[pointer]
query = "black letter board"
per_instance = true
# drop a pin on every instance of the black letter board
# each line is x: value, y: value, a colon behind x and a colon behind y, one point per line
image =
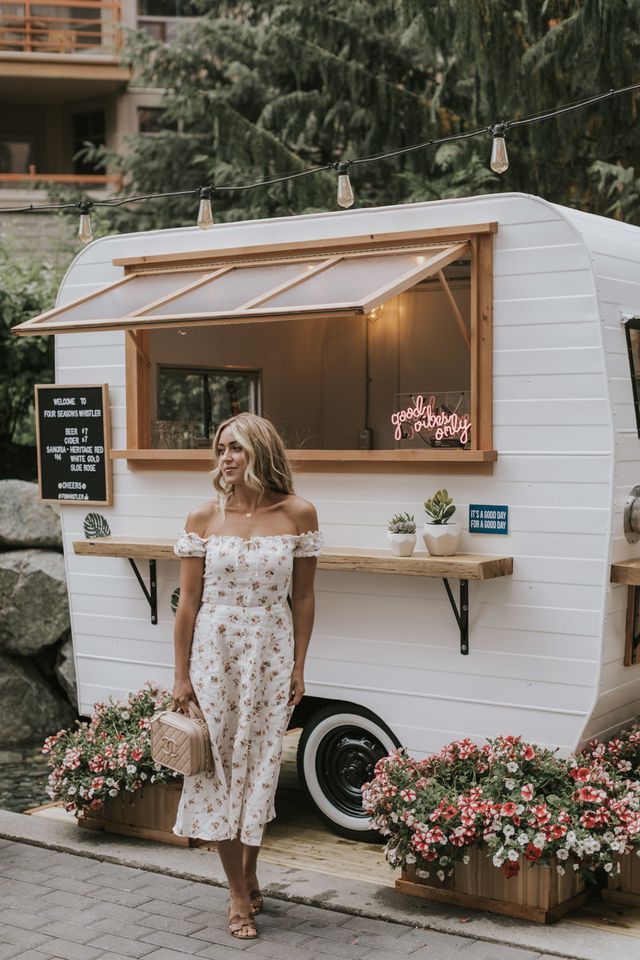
x: 72, y: 431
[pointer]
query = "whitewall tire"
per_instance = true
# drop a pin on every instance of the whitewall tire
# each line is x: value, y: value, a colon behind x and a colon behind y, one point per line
x: 337, y: 753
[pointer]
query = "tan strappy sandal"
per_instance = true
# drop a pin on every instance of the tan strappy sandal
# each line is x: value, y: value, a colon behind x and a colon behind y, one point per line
x: 257, y: 902
x: 238, y: 923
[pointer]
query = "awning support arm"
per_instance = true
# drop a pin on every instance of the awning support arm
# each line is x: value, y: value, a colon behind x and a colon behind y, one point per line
x: 461, y: 615
x: 454, y: 306
x: 152, y: 593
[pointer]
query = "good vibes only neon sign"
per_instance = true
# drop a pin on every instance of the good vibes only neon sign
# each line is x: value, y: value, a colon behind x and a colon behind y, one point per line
x: 440, y: 423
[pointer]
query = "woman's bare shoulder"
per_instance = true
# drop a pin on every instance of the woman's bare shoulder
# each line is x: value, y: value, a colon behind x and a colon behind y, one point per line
x: 202, y: 517
x: 302, y: 513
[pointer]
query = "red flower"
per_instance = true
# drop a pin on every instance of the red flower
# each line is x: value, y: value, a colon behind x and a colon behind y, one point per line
x: 583, y: 774
x: 527, y: 792
x: 532, y: 853
x: 511, y: 868
x: 136, y: 754
x: 528, y: 753
x: 509, y: 808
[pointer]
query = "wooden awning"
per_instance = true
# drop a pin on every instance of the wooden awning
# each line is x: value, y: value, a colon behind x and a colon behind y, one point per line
x: 345, y: 284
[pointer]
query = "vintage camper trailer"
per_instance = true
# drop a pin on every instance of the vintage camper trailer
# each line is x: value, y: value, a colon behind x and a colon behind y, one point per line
x: 522, y: 315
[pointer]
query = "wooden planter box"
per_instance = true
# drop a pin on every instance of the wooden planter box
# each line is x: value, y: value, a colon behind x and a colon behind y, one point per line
x: 537, y: 893
x: 150, y: 813
x: 625, y: 887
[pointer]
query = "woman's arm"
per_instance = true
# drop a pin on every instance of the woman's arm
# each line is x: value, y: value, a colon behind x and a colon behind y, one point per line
x: 191, y: 584
x: 303, y: 610
x: 302, y: 599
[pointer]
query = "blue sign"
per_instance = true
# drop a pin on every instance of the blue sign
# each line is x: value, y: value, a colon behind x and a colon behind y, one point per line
x: 488, y: 518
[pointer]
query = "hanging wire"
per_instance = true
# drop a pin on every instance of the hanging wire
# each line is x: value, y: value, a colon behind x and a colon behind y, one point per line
x: 371, y: 158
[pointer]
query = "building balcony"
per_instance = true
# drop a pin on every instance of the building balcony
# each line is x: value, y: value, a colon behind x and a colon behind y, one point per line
x: 47, y: 47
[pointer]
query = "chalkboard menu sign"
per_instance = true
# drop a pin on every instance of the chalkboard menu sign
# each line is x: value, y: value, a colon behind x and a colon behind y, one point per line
x: 72, y: 427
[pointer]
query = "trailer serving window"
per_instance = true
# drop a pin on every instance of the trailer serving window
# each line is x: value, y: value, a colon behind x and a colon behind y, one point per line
x: 371, y: 349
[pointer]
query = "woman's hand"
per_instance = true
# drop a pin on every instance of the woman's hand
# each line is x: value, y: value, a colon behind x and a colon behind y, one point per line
x: 182, y: 693
x: 296, y: 688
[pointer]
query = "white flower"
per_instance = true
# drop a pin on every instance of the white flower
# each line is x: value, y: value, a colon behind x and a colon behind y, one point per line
x: 466, y: 858
x: 423, y: 873
x: 509, y: 830
x: 576, y: 866
x: 113, y: 793
x: 510, y: 784
x: 512, y: 766
x: 562, y: 854
x: 570, y: 838
x: 157, y: 766
x: 513, y: 855
x: 410, y: 858
x: 71, y: 790
x: 539, y: 841
x: 523, y: 839
x: 560, y: 870
x: 440, y: 874
x: 131, y: 768
x: 143, y: 775
x: 608, y: 867
x: 498, y: 858
x: 125, y: 715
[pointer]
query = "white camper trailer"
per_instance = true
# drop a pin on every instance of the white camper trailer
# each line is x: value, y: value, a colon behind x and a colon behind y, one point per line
x: 522, y: 314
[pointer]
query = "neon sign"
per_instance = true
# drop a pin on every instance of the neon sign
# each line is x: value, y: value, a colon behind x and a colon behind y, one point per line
x: 439, y: 422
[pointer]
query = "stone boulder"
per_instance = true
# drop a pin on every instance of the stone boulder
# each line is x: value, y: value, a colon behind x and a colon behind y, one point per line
x: 35, y: 608
x: 65, y: 670
x: 24, y: 521
x: 31, y: 711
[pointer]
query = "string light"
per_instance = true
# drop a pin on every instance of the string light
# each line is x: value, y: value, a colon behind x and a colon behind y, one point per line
x: 85, y: 231
x: 345, y: 190
x: 205, y: 213
x: 499, y: 157
x: 499, y: 163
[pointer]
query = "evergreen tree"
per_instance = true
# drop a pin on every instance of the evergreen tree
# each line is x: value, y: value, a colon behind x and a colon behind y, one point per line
x: 262, y: 88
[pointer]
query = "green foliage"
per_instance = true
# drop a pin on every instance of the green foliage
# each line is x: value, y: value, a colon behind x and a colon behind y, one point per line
x: 27, y: 287
x: 402, y: 523
x: 440, y: 507
x: 261, y: 88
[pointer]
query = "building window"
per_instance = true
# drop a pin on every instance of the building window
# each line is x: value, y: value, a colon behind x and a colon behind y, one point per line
x: 151, y: 120
x: 89, y: 127
x: 632, y: 330
x: 192, y: 402
x: 17, y: 153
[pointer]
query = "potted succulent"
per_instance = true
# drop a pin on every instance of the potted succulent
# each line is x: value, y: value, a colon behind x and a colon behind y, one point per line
x: 401, y: 534
x: 441, y: 537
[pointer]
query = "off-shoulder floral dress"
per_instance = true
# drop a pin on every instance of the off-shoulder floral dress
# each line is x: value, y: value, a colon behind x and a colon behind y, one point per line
x: 240, y: 668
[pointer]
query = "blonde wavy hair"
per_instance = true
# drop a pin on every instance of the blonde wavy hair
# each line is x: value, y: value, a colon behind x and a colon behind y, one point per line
x: 267, y: 465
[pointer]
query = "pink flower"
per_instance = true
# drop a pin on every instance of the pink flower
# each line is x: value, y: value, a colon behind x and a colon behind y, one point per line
x: 528, y: 753
x: 136, y: 754
x: 527, y: 792
x: 407, y: 795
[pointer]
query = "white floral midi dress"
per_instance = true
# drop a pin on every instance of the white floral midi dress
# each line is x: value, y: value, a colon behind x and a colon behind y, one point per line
x: 240, y: 668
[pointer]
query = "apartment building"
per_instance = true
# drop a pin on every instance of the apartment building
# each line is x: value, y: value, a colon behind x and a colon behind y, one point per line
x: 62, y: 82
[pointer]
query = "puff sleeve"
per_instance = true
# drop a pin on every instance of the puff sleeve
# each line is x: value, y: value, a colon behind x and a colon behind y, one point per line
x: 308, y: 544
x: 189, y: 545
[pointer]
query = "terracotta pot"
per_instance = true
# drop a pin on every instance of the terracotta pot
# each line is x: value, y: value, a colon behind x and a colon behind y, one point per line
x: 442, y: 539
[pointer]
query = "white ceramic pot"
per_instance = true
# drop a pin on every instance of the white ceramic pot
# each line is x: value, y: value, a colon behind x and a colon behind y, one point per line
x: 402, y: 544
x: 441, y: 539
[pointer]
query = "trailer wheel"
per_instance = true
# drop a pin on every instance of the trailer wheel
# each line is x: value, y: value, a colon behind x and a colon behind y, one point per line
x: 337, y: 753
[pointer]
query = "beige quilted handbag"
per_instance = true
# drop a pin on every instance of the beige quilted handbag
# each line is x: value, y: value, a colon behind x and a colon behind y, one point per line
x: 181, y: 742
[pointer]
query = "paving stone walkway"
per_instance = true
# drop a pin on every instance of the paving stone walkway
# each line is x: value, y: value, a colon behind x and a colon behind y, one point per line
x: 59, y: 905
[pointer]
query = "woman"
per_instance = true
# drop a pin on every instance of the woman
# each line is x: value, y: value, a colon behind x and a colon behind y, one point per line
x: 239, y: 653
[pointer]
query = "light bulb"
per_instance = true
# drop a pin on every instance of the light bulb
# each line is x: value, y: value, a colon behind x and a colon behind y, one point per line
x: 499, y: 156
x: 205, y: 214
x: 345, y: 190
x: 85, y: 231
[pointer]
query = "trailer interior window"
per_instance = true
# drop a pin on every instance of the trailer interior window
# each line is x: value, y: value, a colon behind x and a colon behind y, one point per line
x: 632, y: 329
x: 190, y: 402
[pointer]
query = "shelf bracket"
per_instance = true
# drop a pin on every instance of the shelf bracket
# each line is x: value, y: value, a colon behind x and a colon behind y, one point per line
x: 632, y: 638
x: 152, y: 593
x: 462, y: 614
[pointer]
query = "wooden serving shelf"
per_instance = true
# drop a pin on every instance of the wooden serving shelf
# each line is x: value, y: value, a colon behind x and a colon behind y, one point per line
x: 462, y: 567
x: 626, y: 571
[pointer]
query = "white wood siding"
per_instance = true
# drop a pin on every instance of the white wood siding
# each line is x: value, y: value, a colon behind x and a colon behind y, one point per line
x: 390, y: 643
x: 615, y: 254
